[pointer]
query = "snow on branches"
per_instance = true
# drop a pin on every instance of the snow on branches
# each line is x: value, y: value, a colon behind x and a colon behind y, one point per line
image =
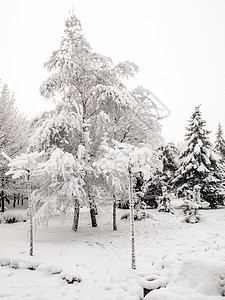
x: 24, y: 164
x: 122, y: 98
x: 56, y: 127
x: 123, y: 155
x: 126, y: 69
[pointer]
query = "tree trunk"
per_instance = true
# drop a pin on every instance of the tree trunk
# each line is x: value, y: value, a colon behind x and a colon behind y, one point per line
x: 133, y: 259
x: 76, y: 214
x: 30, y: 216
x: 114, y: 213
x: 3, y: 201
x: 93, y: 211
x: 14, y: 200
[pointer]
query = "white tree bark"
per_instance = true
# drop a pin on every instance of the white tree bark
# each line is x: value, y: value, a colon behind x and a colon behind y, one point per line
x: 30, y: 215
x: 131, y: 199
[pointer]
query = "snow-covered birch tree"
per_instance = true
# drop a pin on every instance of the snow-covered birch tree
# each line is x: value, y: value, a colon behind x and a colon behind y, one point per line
x: 25, y: 166
x: 126, y: 159
x: 91, y: 100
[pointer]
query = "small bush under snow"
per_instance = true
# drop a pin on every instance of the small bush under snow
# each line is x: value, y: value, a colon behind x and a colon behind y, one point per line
x: 13, y: 217
x: 70, y: 277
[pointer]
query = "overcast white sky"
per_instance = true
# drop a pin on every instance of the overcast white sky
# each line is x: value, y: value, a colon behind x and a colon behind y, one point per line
x: 179, y: 46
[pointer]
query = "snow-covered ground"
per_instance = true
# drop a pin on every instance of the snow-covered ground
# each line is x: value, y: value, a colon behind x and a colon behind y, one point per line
x: 190, y: 256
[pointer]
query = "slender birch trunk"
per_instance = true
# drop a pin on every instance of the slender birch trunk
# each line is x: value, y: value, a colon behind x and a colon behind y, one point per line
x: 133, y: 259
x: 114, y: 213
x: 30, y: 215
x: 76, y: 214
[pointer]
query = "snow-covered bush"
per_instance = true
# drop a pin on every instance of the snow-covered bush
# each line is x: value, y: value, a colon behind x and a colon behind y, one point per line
x: 190, y: 210
x: 13, y: 217
x: 165, y: 204
x: 141, y: 215
x: 70, y: 277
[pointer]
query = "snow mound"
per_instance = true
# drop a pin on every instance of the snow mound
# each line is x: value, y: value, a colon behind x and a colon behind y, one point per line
x: 18, y: 263
x: 153, y: 282
x: 205, y: 276
x: 199, y: 279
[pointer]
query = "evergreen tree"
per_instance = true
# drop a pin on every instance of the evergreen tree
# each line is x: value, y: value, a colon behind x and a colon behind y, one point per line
x: 168, y: 155
x: 199, y: 163
x: 14, y: 132
x: 13, y: 126
x: 220, y: 142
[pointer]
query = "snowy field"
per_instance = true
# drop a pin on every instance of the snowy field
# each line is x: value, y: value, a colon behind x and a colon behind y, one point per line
x: 190, y: 256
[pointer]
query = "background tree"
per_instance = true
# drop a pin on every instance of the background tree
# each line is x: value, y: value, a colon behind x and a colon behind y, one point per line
x: 14, y: 132
x: 13, y: 126
x: 168, y: 155
x: 220, y: 142
x: 199, y: 163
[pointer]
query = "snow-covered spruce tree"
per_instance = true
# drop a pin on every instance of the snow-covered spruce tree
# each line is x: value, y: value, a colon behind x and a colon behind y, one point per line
x: 220, y: 142
x: 165, y: 204
x: 199, y: 163
x: 93, y: 101
x: 191, y: 206
x: 14, y: 131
